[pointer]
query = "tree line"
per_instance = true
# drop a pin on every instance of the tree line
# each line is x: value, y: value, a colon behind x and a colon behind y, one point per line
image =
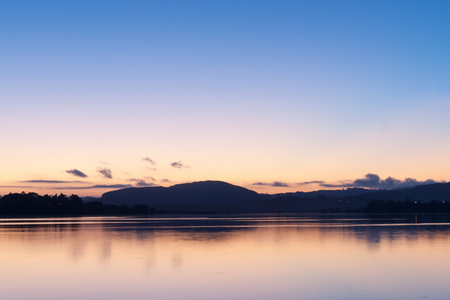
x: 390, y: 206
x: 34, y: 204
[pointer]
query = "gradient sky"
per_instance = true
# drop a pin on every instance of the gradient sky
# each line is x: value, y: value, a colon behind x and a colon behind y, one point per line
x: 268, y: 95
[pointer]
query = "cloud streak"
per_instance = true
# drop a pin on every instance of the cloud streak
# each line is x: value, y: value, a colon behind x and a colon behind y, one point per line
x: 97, y: 186
x: 273, y: 184
x: 310, y: 182
x: 50, y: 181
x: 77, y: 173
x: 89, y: 187
x: 105, y: 172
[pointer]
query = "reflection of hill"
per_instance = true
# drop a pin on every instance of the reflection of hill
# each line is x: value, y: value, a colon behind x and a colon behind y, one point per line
x: 370, y: 230
x: 301, y: 228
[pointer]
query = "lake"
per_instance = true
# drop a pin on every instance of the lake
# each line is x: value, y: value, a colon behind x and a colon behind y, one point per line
x: 319, y: 257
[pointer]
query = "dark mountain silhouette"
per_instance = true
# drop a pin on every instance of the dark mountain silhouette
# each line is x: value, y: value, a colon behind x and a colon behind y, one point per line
x: 222, y: 197
x: 357, y: 199
x: 428, y: 192
x: 217, y: 196
x: 348, y: 192
x: 205, y: 194
x: 425, y: 193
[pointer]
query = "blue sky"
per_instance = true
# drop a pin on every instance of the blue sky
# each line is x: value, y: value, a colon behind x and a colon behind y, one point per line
x: 242, y: 91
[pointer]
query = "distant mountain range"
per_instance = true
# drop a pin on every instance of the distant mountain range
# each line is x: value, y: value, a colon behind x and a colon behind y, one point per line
x: 218, y: 196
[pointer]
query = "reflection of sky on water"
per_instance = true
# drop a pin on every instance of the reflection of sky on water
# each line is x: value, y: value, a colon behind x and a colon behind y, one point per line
x: 225, y: 258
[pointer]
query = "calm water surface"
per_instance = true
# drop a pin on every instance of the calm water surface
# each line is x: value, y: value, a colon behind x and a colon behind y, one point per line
x: 257, y: 257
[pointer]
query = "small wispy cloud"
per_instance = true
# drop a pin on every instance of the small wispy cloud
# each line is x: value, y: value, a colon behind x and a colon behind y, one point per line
x: 106, y: 172
x: 273, y: 184
x: 179, y: 165
x: 142, y: 182
x: 77, y: 173
x: 149, y: 160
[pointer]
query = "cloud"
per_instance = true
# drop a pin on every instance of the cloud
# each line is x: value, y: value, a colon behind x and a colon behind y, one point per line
x: 97, y: 186
x: 311, y: 182
x: 105, y: 172
x: 374, y: 181
x: 142, y: 182
x: 139, y: 179
x: 20, y: 186
x: 371, y: 180
x: 50, y: 181
x: 77, y: 173
x: 179, y: 165
x: 149, y: 160
x: 274, y: 184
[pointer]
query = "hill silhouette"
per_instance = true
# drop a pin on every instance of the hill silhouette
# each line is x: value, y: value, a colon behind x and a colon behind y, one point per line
x: 222, y: 197
x: 204, y: 194
x: 425, y: 193
x: 218, y: 196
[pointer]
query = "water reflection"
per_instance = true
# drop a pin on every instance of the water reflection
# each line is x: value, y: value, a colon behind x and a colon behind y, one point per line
x: 256, y: 257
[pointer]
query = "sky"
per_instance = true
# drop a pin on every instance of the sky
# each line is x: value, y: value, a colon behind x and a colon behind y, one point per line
x: 276, y: 96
